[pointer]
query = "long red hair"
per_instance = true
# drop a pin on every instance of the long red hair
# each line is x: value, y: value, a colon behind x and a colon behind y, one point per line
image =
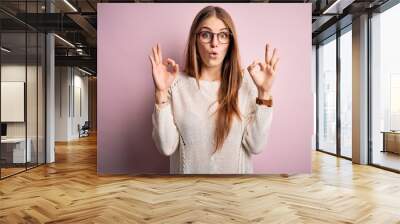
x: 231, y: 74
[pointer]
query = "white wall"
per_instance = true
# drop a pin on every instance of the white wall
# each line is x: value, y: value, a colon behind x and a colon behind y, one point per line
x: 70, y: 83
x: 33, y: 127
x: 62, y: 80
x: 80, y: 89
x: 15, y: 72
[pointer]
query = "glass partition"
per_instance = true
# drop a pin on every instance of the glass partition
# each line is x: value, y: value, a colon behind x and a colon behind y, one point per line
x: 327, y: 95
x: 22, y: 77
x: 13, y: 109
x: 385, y: 89
x: 346, y: 93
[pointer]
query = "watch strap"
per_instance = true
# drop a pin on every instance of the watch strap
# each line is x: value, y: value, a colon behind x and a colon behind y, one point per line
x: 268, y: 103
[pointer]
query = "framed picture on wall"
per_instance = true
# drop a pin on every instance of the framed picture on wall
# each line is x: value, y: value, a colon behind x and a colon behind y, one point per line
x: 12, y: 101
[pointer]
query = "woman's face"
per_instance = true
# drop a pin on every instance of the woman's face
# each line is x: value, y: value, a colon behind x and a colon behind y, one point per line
x: 213, y: 47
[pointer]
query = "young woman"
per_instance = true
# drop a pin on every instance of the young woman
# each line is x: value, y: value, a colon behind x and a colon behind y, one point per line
x: 213, y: 116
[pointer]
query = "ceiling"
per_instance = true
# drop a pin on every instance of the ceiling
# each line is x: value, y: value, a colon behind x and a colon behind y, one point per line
x: 76, y: 22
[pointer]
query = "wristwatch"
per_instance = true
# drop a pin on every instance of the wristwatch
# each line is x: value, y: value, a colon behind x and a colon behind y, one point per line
x: 268, y: 103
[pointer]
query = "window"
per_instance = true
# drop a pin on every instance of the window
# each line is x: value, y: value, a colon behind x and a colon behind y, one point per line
x: 346, y: 75
x: 327, y: 96
x: 22, y: 66
x: 385, y: 88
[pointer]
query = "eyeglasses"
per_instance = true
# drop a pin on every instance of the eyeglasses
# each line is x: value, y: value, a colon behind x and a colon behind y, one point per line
x: 207, y: 36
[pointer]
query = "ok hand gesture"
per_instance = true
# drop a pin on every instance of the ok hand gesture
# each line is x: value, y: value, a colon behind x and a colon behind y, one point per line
x: 264, y: 76
x: 161, y: 76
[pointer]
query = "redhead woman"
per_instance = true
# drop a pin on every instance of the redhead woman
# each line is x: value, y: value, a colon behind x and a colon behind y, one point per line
x: 212, y: 117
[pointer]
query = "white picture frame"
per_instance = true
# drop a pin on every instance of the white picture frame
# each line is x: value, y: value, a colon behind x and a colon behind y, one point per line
x: 12, y: 101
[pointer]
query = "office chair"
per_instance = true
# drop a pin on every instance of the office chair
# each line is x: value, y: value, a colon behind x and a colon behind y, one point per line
x: 84, y: 130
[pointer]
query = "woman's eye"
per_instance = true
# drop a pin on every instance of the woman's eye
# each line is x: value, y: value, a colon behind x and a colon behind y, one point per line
x: 205, y: 35
x: 224, y: 35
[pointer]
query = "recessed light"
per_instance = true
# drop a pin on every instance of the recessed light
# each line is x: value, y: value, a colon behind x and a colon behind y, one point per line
x: 5, y: 50
x: 333, y: 6
x: 64, y: 40
x: 70, y: 5
x: 84, y: 71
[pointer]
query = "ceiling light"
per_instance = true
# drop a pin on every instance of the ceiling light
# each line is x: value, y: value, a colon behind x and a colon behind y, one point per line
x: 70, y: 5
x: 5, y: 49
x: 331, y: 7
x: 65, y: 41
x: 84, y: 71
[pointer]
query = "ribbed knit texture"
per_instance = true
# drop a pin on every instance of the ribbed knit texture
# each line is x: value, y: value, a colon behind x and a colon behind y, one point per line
x: 184, y: 128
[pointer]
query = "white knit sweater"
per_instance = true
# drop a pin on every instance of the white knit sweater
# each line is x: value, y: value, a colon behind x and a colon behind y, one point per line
x: 183, y: 128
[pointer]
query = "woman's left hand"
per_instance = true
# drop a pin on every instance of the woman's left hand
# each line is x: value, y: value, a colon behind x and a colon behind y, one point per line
x: 265, y: 75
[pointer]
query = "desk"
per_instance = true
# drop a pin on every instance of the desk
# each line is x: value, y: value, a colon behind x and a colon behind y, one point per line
x: 391, y: 141
x: 15, y: 148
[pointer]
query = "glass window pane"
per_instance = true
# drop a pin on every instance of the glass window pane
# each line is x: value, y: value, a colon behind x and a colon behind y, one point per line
x: 13, y: 86
x: 327, y: 96
x: 22, y: 89
x: 386, y: 88
x: 346, y: 93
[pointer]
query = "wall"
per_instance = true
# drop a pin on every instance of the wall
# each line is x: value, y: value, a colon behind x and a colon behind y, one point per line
x: 69, y: 84
x: 126, y: 89
x: 33, y: 127
x: 92, y: 108
x: 62, y: 80
x: 17, y: 73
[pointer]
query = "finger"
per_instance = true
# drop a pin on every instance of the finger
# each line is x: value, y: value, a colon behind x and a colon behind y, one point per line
x: 255, y: 62
x: 273, y: 58
x: 152, y: 64
x: 155, y: 56
x: 166, y: 62
x: 249, y: 69
x: 171, y: 62
x: 176, y: 69
x: 152, y: 61
x: 159, y: 52
x: 266, y: 53
x: 275, y: 64
x: 251, y: 66
x: 262, y: 65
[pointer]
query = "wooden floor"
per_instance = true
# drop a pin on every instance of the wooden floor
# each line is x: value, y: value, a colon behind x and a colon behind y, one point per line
x: 5, y: 172
x: 70, y: 191
x: 387, y: 159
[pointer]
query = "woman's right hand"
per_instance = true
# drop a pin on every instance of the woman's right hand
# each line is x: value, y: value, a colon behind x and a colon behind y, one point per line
x: 161, y: 76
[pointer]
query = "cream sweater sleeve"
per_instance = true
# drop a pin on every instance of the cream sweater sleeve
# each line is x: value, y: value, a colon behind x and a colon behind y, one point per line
x: 257, y: 129
x: 258, y: 123
x: 165, y: 134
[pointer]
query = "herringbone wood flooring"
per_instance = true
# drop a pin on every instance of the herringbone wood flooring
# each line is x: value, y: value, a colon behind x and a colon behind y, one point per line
x: 69, y: 191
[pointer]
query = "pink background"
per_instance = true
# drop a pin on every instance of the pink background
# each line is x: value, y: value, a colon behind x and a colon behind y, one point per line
x: 126, y: 33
